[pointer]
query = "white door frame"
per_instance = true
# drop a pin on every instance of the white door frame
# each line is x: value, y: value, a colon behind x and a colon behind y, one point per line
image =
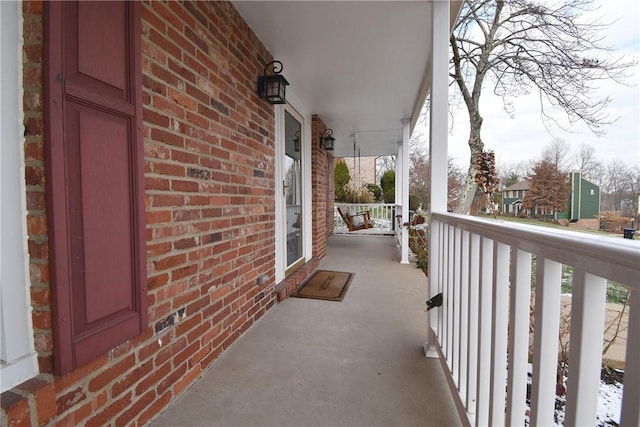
x: 294, y: 108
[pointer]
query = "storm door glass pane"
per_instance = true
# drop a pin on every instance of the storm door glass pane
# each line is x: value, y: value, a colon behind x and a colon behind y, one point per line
x: 293, y: 188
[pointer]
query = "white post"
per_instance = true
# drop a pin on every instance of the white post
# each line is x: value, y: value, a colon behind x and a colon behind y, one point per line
x: 520, y: 297
x: 17, y: 353
x: 545, y: 341
x: 588, y: 305
x: 438, y: 129
x: 631, y: 398
x: 398, y: 200
x: 404, y: 179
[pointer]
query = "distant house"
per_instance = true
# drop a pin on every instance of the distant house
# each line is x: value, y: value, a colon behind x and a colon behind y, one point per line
x: 583, y: 205
x: 512, y: 197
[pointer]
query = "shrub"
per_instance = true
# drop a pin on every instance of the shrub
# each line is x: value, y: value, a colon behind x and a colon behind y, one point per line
x: 388, y: 185
x: 420, y: 248
x: 414, y: 202
x: 357, y: 195
x: 341, y: 178
x: 376, y: 191
x: 389, y: 196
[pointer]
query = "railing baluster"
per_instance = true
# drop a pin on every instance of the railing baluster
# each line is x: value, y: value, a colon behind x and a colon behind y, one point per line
x: 442, y: 282
x: 631, y: 399
x: 474, y: 325
x: 433, y: 328
x: 499, y: 316
x: 464, y: 314
x: 520, y: 296
x: 455, y: 301
x: 545, y: 341
x: 585, y: 347
x: 450, y: 295
x: 484, y: 335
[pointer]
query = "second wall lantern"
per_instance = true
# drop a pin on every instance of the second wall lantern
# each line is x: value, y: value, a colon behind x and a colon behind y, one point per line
x: 273, y: 87
x: 326, y: 140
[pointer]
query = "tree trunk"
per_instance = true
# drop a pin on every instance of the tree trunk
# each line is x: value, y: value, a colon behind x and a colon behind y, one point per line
x: 476, y: 146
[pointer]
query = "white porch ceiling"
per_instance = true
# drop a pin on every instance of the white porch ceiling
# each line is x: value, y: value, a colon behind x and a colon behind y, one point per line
x: 362, y: 66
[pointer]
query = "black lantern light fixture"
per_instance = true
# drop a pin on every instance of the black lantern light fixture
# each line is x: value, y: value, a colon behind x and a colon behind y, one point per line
x: 296, y: 142
x: 326, y: 140
x: 272, y: 87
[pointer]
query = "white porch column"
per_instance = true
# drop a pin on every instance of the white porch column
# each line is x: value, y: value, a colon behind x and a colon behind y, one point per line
x: 19, y: 360
x: 398, y: 200
x: 404, y: 180
x: 437, y: 141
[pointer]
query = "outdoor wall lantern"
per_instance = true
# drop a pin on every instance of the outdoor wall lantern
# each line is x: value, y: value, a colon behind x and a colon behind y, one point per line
x: 326, y: 140
x: 272, y: 87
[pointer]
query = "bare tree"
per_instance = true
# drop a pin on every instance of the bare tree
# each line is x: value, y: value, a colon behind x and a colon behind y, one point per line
x: 383, y: 164
x: 420, y: 179
x: 420, y: 176
x: 615, y: 185
x: 510, y: 173
x: 634, y: 194
x: 524, y: 45
x: 588, y: 165
x: 557, y: 153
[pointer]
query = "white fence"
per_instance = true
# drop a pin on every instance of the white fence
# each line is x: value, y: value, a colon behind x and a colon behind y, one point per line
x: 481, y: 332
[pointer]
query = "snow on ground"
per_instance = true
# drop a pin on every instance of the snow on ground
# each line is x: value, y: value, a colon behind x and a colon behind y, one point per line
x: 609, y: 404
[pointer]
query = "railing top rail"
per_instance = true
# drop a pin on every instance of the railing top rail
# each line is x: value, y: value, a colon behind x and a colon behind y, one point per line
x: 611, y: 258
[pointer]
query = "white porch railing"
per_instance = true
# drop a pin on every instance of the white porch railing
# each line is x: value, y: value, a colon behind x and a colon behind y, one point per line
x: 481, y: 332
x: 381, y: 214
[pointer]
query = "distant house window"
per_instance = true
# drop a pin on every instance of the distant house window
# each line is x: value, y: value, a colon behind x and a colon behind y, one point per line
x: 593, y: 192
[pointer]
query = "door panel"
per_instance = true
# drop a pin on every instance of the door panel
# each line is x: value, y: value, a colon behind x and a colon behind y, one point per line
x: 106, y: 225
x: 105, y: 36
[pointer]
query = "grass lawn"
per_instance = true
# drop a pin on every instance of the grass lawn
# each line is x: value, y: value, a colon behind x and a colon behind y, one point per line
x: 572, y: 227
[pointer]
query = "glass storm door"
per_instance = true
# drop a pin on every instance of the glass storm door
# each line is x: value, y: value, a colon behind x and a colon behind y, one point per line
x: 292, y: 189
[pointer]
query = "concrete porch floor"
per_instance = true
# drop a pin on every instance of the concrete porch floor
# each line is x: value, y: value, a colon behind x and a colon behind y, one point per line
x: 359, y: 362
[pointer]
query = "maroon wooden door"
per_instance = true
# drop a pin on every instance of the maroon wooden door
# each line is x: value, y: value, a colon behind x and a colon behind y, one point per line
x: 95, y: 177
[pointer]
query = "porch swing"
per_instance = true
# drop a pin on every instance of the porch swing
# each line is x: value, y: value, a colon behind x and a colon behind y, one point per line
x: 356, y: 220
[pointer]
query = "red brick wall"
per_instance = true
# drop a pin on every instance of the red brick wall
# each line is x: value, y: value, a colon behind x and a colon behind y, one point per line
x: 319, y: 180
x: 209, y: 178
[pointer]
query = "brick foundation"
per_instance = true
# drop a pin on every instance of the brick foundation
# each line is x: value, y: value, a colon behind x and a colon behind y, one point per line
x: 286, y: 287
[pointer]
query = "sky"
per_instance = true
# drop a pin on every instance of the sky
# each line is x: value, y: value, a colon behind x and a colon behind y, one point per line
x: 524, y: 136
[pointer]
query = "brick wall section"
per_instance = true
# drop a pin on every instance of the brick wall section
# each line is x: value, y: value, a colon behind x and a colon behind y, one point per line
x: 287, y: 286
x: 209, y: 156
x: 319, y: 180
x: 362, y: 170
